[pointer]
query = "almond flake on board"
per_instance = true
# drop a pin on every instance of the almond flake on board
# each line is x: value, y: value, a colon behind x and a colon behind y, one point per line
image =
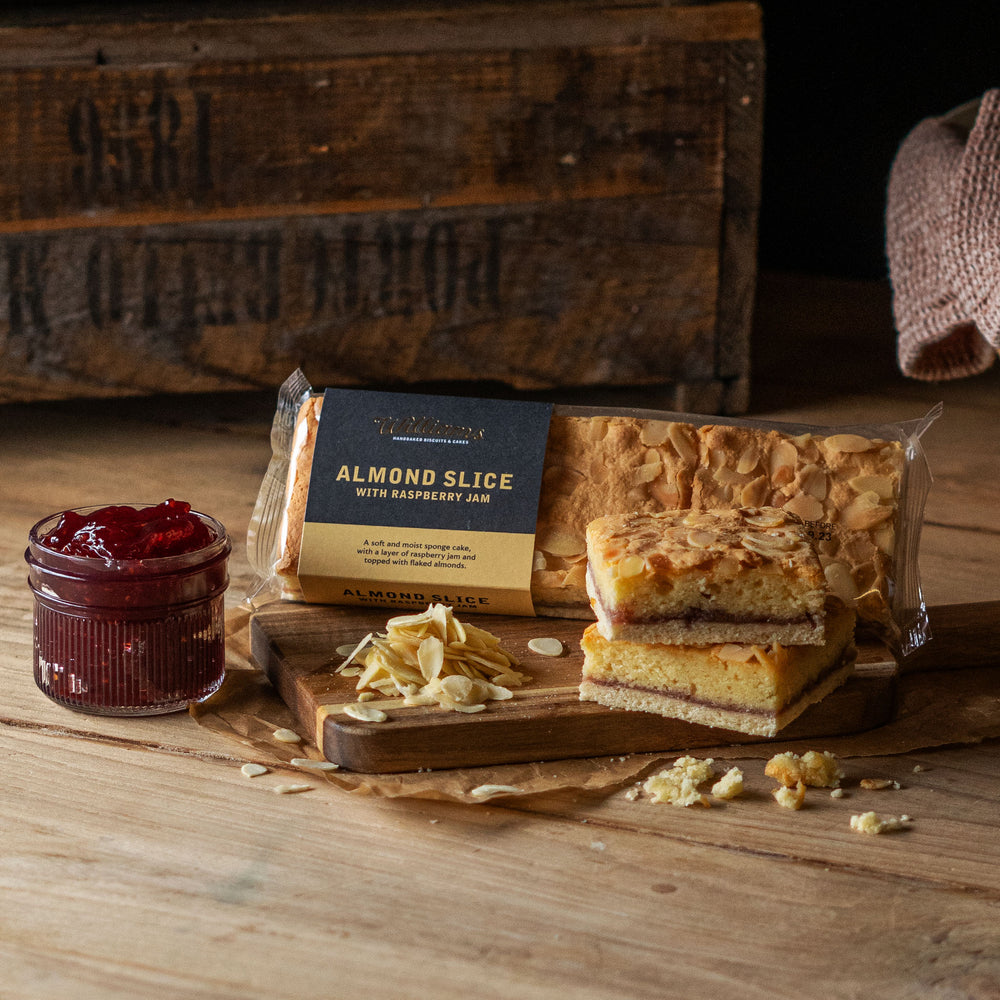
x: 546, y: 646
x: 432, y: 657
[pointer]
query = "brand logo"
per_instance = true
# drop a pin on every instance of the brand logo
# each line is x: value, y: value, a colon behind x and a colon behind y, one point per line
x: 428, y: 429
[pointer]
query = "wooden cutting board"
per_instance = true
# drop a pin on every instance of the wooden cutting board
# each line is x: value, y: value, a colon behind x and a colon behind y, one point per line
x: 296, y: 646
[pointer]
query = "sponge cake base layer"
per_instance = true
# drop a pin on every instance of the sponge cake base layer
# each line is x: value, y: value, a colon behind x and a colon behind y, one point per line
x: 750, y: 689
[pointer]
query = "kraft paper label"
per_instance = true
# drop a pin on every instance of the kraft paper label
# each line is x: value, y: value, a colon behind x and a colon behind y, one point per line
x: 418, y: 499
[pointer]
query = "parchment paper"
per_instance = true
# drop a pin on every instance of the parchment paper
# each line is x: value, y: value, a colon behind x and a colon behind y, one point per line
x: 936, y: 708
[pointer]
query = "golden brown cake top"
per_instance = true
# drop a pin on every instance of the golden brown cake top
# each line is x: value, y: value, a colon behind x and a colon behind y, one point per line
x: 670, y: 543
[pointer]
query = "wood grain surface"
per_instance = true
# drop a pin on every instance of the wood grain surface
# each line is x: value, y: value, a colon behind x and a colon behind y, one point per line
x: 138, y: 863
x: 560, y: 195
x: 545, y: 720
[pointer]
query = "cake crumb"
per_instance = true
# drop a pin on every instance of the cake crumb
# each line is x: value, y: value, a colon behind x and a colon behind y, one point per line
x: 872, y: 823
x: 678, y: 785
x: 729, y: 785
x: 819, y: 770
x: 837, y: 793
x: 790, y: 797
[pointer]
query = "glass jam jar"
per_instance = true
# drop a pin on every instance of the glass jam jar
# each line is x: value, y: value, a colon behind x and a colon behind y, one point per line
x: 122, y: 633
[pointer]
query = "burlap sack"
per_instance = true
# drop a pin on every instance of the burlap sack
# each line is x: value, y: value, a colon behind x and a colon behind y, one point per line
x: 943, y: 242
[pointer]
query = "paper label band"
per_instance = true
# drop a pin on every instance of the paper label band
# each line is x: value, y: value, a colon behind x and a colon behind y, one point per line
x: 416, y: 499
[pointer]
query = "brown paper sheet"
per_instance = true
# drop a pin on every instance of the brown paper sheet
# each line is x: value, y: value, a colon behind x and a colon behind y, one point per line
x: 937, y: 708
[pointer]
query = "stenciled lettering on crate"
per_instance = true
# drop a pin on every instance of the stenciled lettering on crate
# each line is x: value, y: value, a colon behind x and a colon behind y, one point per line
x: 544, y: 217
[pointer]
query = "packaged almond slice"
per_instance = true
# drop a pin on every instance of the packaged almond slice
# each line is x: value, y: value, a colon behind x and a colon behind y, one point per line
x: 400, y: 500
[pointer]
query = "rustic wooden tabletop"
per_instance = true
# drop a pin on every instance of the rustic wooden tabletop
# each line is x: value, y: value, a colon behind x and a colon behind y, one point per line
x: 136, y: 860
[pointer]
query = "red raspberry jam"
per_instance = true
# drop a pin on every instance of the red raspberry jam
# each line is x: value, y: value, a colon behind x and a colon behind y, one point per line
x: 129, y: 607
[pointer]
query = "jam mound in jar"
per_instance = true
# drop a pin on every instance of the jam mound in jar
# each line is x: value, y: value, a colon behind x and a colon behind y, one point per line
x: 122, y: 532
x: 129, y: 607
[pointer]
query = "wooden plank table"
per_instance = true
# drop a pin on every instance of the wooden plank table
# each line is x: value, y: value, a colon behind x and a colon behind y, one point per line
x: 137, y: 861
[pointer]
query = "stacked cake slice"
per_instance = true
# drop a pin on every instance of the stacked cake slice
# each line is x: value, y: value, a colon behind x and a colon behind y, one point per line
x: 722, y: 618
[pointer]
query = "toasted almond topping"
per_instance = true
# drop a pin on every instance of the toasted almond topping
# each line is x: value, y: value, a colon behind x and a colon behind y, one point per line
x: 631, y: 566
x: 648, y: 472
x: 806, y: 507
x: 682, y: 437
x: 700, y: 538
x: 654, y: 432
x: 755, y: 492
x: 814, y: 482
x: 748, y: 460
x: 764, y: 517
x: 848, y: 443
x: 865, y: 512
x: 840, y: 581
x: 563, y: 543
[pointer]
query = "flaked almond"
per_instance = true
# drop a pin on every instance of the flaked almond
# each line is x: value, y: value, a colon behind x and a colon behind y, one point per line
x: 763, y: 517
x: 653, y: 433
x: 576, y: 576
x: 365, y: 713
x: 850, y: 443
x: 648, y: 472
x: 430, y: 656
x: 726, y: 476
x: 748, y: 460
x: 700, y: 538
x: 806, y: 507
x: 814, y: 482
x: 770, y: 543
x: 755, y: 492
x: 630, y: 566
x: 884, y: 538
x: 840, y: 581
x: 563, y: 543
x: 666, y: 494
x: 682, y: 437
x: 865, y: 512
x: 876, y: 784
x: 546, y: 646
x: 781, y: 463
x: 880, y: 485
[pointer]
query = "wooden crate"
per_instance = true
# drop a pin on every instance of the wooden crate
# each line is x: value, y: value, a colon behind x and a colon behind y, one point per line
x: 543, y: 195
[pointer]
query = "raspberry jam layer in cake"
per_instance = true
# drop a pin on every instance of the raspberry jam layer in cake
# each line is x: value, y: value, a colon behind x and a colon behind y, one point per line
x: 749, y: 688
x: 698, y: 577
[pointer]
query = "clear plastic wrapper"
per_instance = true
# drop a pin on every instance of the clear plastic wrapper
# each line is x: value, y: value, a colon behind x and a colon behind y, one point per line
x: 859, y: 489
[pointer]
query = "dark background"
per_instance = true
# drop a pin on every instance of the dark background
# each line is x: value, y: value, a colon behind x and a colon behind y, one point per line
x: 846, y: 81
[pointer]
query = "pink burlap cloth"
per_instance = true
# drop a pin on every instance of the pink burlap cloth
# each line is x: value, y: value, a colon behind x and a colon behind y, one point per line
x: 943, y: 242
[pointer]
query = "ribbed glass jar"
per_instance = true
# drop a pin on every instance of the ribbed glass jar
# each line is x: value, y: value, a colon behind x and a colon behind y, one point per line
x: 128, y: 636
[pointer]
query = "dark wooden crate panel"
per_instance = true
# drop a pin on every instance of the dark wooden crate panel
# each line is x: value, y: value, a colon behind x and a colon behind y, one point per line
x: 561, y: 196
x: 295, y: 645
